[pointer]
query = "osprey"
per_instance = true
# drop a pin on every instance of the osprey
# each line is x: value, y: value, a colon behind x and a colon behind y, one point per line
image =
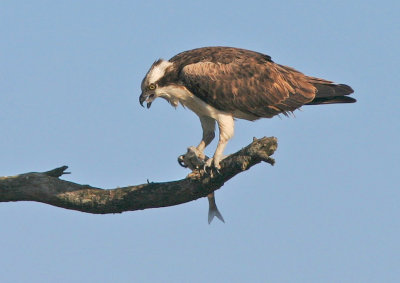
x: 223, y: 83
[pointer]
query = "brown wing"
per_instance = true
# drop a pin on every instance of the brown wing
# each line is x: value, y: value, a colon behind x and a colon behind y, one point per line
x: 252, y: 86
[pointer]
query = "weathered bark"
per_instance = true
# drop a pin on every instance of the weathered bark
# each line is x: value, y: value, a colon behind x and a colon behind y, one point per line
x: 46, y: 187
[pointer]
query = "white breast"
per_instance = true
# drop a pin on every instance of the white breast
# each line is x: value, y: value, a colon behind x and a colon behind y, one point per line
x: 175, y: 95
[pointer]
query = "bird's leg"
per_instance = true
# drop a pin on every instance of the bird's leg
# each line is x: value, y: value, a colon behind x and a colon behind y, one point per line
x: 208, y: 125
x: 226, y: 130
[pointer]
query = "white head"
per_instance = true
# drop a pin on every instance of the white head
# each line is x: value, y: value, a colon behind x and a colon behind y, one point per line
x: 150, y: 82
x: 157, y: 71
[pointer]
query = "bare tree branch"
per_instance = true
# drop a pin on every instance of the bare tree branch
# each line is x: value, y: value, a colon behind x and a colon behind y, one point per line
x: 46, y: 187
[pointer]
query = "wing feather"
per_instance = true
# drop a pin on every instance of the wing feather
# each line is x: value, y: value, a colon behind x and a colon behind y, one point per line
x: 252, y: 86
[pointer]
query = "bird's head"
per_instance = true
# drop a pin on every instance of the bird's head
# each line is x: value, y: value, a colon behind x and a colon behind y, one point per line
x: 152, y: 84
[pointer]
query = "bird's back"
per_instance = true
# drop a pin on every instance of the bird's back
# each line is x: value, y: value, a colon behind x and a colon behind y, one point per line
x: 249, y: 84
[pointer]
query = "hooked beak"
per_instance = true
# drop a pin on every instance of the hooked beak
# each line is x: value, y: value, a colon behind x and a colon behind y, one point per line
x: 146, y: 97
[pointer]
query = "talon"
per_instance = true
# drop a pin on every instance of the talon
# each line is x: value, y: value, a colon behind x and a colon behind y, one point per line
x: 181, y: 161
x: 216, y: 170
x: 210, y: 167
x: 207, y: 169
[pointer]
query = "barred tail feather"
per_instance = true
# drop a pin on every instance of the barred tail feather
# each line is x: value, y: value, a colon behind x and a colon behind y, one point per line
x: 213, y: 209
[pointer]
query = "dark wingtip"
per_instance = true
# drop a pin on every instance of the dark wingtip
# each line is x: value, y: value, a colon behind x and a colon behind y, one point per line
x: 346, y: 89
x: 332, y: 100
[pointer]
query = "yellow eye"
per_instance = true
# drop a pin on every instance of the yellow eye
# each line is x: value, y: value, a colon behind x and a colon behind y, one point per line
x: 152, y: 86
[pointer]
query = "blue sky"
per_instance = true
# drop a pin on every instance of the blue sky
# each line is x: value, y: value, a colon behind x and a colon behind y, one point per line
x: 326, y: 212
